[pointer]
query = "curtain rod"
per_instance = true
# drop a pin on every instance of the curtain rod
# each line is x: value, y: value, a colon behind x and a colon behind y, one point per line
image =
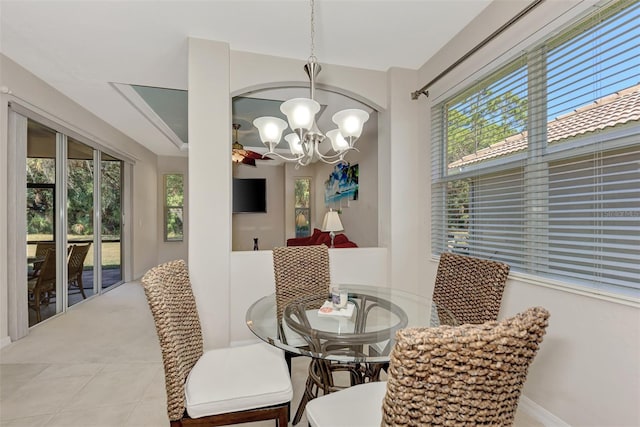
x: 496, y: 33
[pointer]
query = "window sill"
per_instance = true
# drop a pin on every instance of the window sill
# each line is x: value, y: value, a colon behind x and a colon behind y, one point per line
x: 605, y: 295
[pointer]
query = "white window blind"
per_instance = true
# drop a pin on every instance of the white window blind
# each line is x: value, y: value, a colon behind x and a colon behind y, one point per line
x: 538, y: 164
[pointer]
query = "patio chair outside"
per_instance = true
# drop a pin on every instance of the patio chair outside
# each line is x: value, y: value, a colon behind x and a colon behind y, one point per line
x: 77, y: 255
x: 44, y: 284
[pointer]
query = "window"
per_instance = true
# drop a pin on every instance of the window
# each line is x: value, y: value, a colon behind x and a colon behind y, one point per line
x: 173, y: 208
x: 537, y: 164
x: 302, y: 193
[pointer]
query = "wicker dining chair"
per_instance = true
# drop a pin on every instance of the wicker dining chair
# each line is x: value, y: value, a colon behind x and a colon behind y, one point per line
x: 468, y: 375
x: 470, y: 288
x: 303, y: 271
x: 299, y: 271
x: 75, y: 266
x: 215, y: 387
x: 41, y: 287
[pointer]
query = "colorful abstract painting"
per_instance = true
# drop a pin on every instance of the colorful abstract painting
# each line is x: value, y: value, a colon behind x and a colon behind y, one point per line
x: 342, y: 184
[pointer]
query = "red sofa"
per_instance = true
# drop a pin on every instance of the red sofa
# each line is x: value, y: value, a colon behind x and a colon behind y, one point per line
x: 322, y: 238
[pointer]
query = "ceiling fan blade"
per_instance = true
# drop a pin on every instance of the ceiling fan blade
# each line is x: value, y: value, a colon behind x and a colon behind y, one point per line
x: 249, y: 161
x: 246, y: 157
x: 254, y: 155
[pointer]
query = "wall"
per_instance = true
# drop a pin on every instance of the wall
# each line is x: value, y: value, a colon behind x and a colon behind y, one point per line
x: 31, y: 92
x: 588, y: 369
x: 168, y: 251
x: 4, y: 323
x: 267, y: 227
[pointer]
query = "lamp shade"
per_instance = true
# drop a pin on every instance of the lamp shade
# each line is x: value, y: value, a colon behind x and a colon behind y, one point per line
x: 332, y: 222
x: 350, y: 122
x: 270, y: 129
x: 295, y: 145
x: 338, y: 143
x: 300, y: 112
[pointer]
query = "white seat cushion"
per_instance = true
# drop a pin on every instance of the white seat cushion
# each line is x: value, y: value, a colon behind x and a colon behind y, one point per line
x: 357, y: 406
x: 237, y: 378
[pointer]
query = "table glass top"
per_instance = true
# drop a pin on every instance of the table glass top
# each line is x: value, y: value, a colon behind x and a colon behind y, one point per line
x: 363, y: 332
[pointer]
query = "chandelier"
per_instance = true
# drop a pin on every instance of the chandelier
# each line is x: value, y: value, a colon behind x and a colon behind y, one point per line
x: 305, y: 139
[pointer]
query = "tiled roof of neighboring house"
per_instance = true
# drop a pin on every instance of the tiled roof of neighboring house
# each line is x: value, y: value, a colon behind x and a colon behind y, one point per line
x: 615, y: 109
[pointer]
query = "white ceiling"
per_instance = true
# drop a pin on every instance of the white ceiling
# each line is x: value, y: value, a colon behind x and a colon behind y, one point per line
x: 81, y: 47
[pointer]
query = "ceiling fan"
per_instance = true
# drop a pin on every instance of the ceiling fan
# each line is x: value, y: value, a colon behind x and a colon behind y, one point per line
x: 240, y: 155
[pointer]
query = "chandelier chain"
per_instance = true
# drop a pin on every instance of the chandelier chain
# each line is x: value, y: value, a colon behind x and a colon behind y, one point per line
x: 313, y: 58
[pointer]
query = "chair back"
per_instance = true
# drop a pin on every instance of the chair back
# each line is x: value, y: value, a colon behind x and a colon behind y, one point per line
x: 46, y: 279
x: 43, y: 247
x: 41, y: 252
x: 465, y: 375
x: 300, y: 271
x: 173, y: 306
x: 470, y: 288
x: 77, y: 255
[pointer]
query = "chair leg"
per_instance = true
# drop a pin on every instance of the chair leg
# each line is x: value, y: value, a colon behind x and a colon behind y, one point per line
x: 283, y: 416
x: 287, y: 358
x: 80, y: 285
x: 36, y: 306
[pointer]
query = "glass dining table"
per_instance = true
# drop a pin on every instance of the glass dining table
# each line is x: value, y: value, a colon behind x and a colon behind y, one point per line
x: 358, y: 337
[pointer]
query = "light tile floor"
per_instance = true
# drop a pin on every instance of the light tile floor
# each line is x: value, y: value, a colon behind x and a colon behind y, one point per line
x: 99, y: 365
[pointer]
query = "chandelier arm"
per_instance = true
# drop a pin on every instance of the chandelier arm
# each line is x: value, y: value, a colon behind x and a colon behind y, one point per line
x: 305, y: 163
x: 305, y: 160
x: 288, y: 159
x: 307, y: 149
x: 339, y: 155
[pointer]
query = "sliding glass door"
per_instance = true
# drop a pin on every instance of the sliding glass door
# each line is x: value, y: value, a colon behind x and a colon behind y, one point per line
x: 42, y: 258
x: 111, y: 228
x: 72, y: 254
x: 80, y: 223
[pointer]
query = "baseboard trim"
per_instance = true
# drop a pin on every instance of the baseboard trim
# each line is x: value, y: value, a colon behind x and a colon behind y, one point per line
x: 5, y: 342
x: 540, y: 414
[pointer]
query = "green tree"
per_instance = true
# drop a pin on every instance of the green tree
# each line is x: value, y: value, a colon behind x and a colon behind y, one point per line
x: 111, y: 197
x: 483, y: 119
x: 302, y: 192
x: 80, y: 197
x: 474, y: 123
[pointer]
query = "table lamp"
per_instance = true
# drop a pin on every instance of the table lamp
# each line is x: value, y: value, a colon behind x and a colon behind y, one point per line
x: 332, y: 224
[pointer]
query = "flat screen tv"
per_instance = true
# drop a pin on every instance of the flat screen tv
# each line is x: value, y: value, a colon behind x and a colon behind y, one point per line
x: 249, y: 195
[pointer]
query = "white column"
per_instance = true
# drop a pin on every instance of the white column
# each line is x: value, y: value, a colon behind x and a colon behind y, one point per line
x: 408, y: 196
x: 210, y: 186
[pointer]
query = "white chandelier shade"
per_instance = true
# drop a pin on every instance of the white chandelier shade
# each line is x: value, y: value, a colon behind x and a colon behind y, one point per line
x: 270, y: 129
x: 300, y: 112
x: 295, y: 145
x: 338, y: 143
x: 350, y: 122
